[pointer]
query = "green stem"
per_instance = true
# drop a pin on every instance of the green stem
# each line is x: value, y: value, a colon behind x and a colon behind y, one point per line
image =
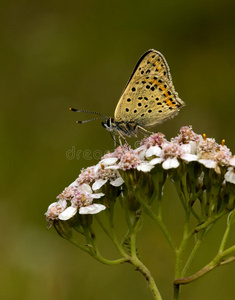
x: 180, y: 193
x: 75, y: 243
x: 119, y: 247
x: 209, y: 221
x: 127, y: 212
x: 219, y: 260
x: 134, y: 260
x: 147, y: 275
x: 176, y: 292
x: 112, y: 235
x: 180, y: 250
x: 158, y: 180
x: 231, y: 199
x: 133, y: 234
x: 191, y: 202
x: 158, y: 220
x: 185, y: 189
x: 89, y: 240
x: 98, y: 257
x: 111, y: 262
x: 192, y: 255
x: 102, y: 226
x: 226, y: 234
x: 179, y: 254
x: 202, y: 199
x: 213, y: 201
x: 133, y: 244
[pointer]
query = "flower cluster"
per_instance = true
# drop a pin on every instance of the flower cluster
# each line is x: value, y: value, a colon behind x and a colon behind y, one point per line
x: 80, y: 197
x: 154, y: 150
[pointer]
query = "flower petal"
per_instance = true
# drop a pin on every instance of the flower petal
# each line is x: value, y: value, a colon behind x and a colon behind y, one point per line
x: 97, y: 195
x: 145, y: 167
x: 109, y: 161
x: 114, y: 167
x: 186, y: 148
x: 208, y: 163
x: 170, y: 163
x: 230, y: 175
x: 98, y: 184
x: 232, y: 161
x: 155, y: 161
x: 189, y: 157
x: 55, y: 209
x: 96, y: 168
x: 117, y: 182
x: 75, y: 183
x: 91, y: 209
x: 140, y: 152
x: 85, y: 188
x: 153, y: 150
x: 68, y: 213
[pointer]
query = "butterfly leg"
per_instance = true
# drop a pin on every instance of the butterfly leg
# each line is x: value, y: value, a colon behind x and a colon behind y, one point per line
x: 145, y: 134
x: 145, y: 130
x: 115, y: 142
x: 121, y: 136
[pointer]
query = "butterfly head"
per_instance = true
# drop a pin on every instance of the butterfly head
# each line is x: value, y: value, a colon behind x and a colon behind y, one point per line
x: 110, y: 125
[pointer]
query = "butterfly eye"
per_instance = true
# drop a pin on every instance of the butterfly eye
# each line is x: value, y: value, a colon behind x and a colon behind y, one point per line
x: 106, y: 124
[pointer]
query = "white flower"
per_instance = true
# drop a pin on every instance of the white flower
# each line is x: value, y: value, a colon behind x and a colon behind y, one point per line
x: 156, y: 161
x: 91, y: 209
x: 145, y: 167
x: 232, y: 161
x: 140, y: 152
x: 230, y: 175
x: 55, y: 209
x: 105, y: 171
x: 170, y: 163
x: 208, y: 163
x: 79, y: 196
x: 98, y: 184
x: 114, y: 182
x: 190, y: 148
x: 109, y: 161
x: 86, y: 189
x: 113, y: 167
x: 104, y: 163
x: 153, y: 150
x: 68, y: 213
x: 189, y: 151
x: 117, y: 182
x: 189, y: 157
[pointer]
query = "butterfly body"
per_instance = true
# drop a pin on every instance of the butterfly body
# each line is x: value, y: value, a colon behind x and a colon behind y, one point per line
x: 122, y: 128
x: 148, y: 99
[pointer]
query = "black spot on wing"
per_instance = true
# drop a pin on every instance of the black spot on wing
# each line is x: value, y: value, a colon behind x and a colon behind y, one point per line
x: 137, y: 66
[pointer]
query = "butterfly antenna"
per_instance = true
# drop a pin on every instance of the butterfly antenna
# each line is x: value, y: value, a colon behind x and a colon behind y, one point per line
x: 81, y: 122
x: 89, y: 112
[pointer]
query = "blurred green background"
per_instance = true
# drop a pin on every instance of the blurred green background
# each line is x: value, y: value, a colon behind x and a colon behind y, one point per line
x: 61, y: 54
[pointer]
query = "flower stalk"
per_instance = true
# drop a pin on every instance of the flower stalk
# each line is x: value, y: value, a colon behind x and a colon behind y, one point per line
x: 203, y: 173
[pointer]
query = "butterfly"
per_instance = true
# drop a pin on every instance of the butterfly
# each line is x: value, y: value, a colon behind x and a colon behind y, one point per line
x: 148, y: 99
